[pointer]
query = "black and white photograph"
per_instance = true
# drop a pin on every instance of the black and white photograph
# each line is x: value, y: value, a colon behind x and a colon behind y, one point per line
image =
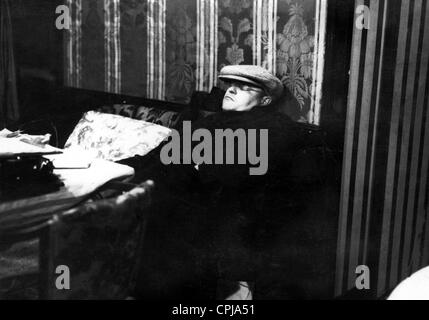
x: 214, y: 153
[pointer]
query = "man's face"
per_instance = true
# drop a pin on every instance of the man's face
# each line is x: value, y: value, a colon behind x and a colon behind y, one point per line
x: 242, y: 97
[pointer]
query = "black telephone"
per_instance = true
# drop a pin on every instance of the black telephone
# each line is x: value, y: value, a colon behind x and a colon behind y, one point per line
x: 26, y: 175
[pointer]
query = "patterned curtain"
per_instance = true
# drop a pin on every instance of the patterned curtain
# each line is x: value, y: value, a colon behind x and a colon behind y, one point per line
x: 384, y: 216
x: 9, y: 111
x: 167, y: 49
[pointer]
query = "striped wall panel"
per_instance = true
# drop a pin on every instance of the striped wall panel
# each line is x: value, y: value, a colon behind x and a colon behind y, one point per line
x: 73, y: 63
x: 207, y: 44
x: 265, y: 33
x: 112, y: 46
x: 383, y: 217
x: 318, y: 60
x: 156, y: 49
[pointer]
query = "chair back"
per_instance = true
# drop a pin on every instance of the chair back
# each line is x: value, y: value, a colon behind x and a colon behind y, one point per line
x: 96, y: 248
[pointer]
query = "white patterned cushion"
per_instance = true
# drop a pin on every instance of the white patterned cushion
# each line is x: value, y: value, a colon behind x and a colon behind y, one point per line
x: 113, y: 137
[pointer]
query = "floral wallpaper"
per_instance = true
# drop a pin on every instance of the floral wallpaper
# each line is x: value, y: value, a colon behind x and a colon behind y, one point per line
x: 181, y: 48
x: 168, y: 49
x: 295, y: 49
x: 92, y: 45
x: 235, y: 32
x: 133, y: 43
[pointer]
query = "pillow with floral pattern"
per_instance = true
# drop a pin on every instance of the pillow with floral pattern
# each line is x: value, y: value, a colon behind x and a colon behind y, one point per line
x: 113, y: 137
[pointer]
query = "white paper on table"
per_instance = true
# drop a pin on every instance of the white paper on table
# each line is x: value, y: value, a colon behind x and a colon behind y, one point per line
x: 13, y: 147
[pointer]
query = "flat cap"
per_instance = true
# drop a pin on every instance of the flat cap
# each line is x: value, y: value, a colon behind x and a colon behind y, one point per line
x: 255, y: 75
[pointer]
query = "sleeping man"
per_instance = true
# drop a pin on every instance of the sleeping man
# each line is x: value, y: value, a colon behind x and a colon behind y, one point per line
x: 211, y: 182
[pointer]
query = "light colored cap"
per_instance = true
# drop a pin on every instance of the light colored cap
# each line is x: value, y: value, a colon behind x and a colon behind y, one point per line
x: 254, y: 75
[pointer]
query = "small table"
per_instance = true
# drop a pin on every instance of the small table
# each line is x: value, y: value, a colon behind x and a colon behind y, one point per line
x: 79, y: 184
